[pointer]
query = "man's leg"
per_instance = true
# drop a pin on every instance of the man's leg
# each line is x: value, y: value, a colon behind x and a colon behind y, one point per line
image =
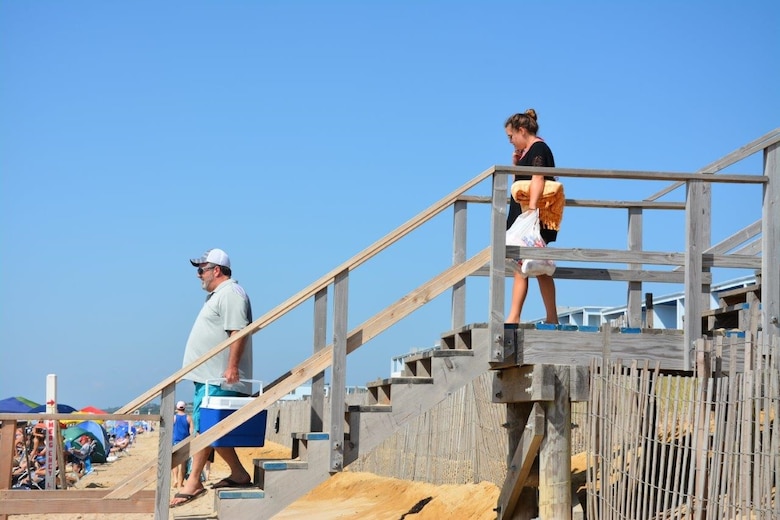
x: 238, y: 473
x: 192, y: 485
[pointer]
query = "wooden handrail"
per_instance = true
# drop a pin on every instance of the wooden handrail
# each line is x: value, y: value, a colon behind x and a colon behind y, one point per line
x: 734, y: 157
x: 312, y: 289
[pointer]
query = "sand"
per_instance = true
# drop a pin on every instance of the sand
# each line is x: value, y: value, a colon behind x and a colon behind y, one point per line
x: 345, y: 496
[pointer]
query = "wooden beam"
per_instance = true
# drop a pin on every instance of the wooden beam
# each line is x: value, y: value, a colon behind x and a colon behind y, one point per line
x: 20, y: 502
x: 338, y: 387
x: 770, y: 244
x: 588, y: 203
x: 526, y: 383
x: 7, y: 437
x: 555, y: 346
x: 459, y: 228
x: 615, y: 275
x: 749, y: 149
x: 634, y: 297
x: 522, y: 462
x: 77, y: 417
x: 317, y: 415
x: 497, y: 282
x: 555, y: 452
x: 695, y: 243
x: 620, y: 256
x: 734, y: 178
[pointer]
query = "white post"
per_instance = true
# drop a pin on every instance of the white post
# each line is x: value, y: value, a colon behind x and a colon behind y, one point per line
x: 51, y: 431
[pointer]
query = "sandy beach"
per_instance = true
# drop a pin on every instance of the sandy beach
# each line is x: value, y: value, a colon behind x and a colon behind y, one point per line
x: 345, y: 496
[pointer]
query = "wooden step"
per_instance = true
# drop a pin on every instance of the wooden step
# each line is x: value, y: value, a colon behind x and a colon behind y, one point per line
x: 280, y: 482
x: 461, y: 338
x: 735, y: 316
x: 739, y: 295
x: 422, y: 364
x: 380, y: 391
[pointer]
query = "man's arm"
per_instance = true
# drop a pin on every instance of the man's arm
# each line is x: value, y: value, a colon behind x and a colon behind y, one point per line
x: 236, y: 350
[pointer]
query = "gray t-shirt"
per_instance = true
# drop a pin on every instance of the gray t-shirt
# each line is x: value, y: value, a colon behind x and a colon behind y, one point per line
x: 226, y: 309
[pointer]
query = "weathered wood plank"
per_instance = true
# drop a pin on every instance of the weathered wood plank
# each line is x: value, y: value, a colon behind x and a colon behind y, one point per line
x: 585, y: 203
x: 498, y: 255
x: 73, y: 501
x: 459, y: 228
x: 339, y: 370
x: 620, y: 256
x: 634, y: 305
x: 522, y: 461
x: 579, y: 348
x: 770, y: 244
x: 734, y: 157
x: 615, y: 275
x: 78, y: 417
x: 735, y: 178
x: 527, y: 383
x: 555, y: 452
x: 7, y: 437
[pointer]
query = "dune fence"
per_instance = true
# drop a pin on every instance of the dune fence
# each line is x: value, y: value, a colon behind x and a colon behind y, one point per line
x: 680, y: 446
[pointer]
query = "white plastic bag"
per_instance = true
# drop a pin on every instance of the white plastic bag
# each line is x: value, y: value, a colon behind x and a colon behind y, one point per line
x: 524, y: 232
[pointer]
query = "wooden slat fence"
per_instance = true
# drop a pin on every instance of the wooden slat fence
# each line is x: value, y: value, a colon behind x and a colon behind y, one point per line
x: 667, y: 446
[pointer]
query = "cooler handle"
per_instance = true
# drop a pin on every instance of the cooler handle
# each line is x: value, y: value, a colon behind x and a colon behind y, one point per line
x: 209, y: 382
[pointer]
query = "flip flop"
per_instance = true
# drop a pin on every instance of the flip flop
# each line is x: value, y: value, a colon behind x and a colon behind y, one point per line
x: 230, y: 483
x: 187, y: 497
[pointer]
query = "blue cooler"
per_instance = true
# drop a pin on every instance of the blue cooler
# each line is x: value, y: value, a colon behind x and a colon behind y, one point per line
x: 216, y: 407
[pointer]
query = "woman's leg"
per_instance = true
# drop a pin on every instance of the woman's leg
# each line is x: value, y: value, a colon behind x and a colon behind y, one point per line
x: 519, y: 292
x: 547, y: 288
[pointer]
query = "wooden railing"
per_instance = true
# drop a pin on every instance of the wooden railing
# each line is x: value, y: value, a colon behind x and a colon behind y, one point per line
x: 697, y: 258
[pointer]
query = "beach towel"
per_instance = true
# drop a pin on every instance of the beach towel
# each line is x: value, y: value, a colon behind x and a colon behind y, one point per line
x: 550, y: 204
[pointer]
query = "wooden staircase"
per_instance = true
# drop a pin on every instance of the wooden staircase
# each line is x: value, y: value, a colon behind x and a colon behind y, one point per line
x: 429, y: 378
x: 738, y: 311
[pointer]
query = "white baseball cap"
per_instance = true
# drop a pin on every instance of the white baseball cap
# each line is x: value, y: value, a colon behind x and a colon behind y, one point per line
x: 212, y: 256
x: 181, y: 405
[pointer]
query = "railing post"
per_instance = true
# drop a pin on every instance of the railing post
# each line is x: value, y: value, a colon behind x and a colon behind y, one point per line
x: 694, y: 246
x: 320, y: 340
x: 338, y: 370
x: 458, y: 257
x: 634, y: 300
x: 497, y: 266
x: 164, y: 445
x: 770, y: 245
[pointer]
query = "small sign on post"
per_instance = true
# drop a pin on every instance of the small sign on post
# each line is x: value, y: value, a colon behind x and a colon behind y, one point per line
x: 51, y: 432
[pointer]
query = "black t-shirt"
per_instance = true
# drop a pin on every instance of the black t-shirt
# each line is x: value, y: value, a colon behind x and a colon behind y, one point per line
x: 538, y: 155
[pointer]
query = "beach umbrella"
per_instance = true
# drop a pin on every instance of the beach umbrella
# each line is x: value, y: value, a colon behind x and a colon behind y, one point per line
x: 86, y: 409
x: 92, y: 409
x: 15, y: 405
x: 61, y: 408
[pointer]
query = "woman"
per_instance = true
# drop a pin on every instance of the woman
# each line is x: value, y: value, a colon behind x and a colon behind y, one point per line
x: 530, y: 150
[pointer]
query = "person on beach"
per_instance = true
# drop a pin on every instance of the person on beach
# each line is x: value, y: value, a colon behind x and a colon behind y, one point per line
x: 226, y: 311
x: 530, y: 150
x: 182, y: 428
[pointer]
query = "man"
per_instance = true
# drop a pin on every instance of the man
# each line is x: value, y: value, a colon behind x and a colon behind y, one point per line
x: 182, y: 428
x: 226, y: 311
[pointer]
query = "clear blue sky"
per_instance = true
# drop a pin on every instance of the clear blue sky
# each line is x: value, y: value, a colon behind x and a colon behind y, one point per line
x: 135, y: 135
